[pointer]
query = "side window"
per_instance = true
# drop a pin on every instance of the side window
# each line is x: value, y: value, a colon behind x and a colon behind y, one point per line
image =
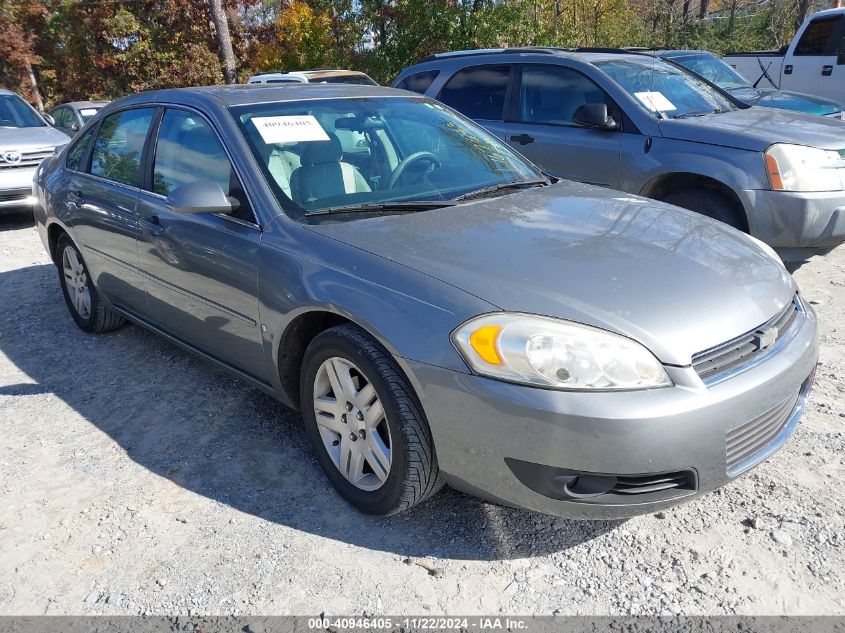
x: 188, y: 150
x: 61, y: 118
x: 119, y: 143
x: 77, y: 152
x: 478, y: 92
x: 551, y: 94
x: 418, y: 82
x: 818, y: 38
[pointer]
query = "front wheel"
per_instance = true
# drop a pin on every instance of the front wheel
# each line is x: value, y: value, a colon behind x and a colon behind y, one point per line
x: 709, y: 202
x: 365, y: 423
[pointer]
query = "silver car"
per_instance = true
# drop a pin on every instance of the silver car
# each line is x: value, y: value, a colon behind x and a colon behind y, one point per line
x: 437, y: 308
x: 637, y: 123
x: 25, y: 140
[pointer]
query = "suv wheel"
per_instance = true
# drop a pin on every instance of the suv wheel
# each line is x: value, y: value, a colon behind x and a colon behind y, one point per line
x: 365, y: 423
x: 87, y: 309
x: 708, y: 202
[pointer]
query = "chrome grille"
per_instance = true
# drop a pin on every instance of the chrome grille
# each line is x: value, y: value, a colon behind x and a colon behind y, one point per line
x: 750, y: 443
x: 29, y: 158
x: 736, y: 355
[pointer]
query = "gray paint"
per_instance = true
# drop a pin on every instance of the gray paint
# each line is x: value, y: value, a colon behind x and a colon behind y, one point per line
x: 727, y: 148
x: 671, y: 279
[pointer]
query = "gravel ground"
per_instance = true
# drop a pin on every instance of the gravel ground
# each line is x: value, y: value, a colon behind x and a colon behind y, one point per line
x: 136, y: 479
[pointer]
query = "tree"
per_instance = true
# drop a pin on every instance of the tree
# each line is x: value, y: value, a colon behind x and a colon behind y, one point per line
x: 20, y: 21
x: 224, y: 40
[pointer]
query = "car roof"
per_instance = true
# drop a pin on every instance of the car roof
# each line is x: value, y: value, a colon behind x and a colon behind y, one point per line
x: 245, y: 94
x: 589, y: 55
x: 84, y: 104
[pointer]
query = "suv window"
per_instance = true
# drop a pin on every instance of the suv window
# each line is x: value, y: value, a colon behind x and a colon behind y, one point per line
x: 418, y: 82
x: 818, y: 38
x: 77, y: 152
x: 478, y: 92
x: 551, y: 94
x: 188, y: 150
x: 120, y: 141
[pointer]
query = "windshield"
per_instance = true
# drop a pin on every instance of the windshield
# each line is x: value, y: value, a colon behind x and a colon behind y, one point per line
x: 319, y: 155
x: 665, y: 90
x: 361, y: 80
x: 713, y: 69
x: 15, y: 112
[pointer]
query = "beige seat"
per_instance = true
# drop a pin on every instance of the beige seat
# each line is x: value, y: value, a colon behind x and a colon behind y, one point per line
x: 281, y: 164
x: 323, y: 174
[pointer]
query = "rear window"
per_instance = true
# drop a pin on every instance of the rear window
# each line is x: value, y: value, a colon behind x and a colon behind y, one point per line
x: 820, y: 37
x: 418, y: 82
x: 478, y: 92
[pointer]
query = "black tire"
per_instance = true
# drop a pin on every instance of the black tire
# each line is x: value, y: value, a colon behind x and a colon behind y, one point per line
x: 414, y: 474
x: 710, y: 202
x: 101, y: 318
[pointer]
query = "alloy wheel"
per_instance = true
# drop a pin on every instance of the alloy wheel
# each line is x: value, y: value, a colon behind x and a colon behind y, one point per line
x: 76, y: 281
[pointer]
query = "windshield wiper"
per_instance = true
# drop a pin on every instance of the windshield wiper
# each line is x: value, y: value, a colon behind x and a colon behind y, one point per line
x: 503, y: 186
x: 689, y: 115
x: 403, y: 206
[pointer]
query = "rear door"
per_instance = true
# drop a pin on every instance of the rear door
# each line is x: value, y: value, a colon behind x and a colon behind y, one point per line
x: 543, y: 129
x: 480, y: 93
x: 200, y: 270
x: 812, y: 66
x: 101, y: 194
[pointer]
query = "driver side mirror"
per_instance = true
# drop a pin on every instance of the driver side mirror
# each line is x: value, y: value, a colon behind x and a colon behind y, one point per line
x: 74, y: 126
x: 50, y: 120
x: 594, y: 116
x: 201, y: 196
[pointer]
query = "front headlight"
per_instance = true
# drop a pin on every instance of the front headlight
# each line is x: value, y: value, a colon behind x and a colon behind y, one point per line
x: 800, y: 168
x: 546, y: 352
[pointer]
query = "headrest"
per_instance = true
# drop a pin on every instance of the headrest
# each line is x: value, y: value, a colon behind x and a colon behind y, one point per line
x: 321, y: 152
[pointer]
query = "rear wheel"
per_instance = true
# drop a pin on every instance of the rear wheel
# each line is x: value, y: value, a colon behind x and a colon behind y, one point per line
x: 87, y: 309
x: 365, y: 424
x: 709, y: 202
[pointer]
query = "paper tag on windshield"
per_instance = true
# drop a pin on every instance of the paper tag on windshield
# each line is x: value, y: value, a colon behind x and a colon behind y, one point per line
x: 289, y: 129
x: 655, y: 101
x: 88, y: 111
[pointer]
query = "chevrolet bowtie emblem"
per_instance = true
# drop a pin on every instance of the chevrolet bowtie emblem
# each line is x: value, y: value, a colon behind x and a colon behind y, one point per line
x: 766, y: 338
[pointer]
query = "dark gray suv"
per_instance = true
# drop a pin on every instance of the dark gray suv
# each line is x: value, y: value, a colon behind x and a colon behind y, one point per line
x: 637, y: 123
x: 436, y: 307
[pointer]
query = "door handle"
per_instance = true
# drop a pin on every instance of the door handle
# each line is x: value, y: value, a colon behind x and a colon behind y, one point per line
x: 827, y: 71
x: 787, y: 70
x: 153, y: 225
x: 522, y: 139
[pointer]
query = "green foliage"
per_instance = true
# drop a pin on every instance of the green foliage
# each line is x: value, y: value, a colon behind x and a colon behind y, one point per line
x: 83, y: 49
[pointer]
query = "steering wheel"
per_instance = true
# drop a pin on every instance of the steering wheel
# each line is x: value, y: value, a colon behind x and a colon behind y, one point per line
x: 402, y: 167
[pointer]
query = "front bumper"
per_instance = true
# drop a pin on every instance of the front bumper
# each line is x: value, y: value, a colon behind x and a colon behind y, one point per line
x: 16, y: 188
x: 478, y: 423
x: 785, y: 219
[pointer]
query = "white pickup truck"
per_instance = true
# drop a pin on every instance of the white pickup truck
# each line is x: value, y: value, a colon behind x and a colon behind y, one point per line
x: 814, y: 62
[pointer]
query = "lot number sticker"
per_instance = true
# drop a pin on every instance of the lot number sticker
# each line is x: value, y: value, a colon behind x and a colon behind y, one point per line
x: 655, y: 101
x: 289, y: 129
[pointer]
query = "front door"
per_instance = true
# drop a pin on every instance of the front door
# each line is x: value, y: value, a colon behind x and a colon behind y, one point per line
x: 200, y: 270
x: 545, y: 133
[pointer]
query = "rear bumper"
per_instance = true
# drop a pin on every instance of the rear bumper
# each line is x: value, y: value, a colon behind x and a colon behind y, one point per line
x: 504, y: 442
x: 785, y: 219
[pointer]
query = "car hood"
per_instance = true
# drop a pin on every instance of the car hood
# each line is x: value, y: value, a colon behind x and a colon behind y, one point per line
x: 22, y: 138
x: 756, y: 129
x: 674, y: 280
x: 786, y: 100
